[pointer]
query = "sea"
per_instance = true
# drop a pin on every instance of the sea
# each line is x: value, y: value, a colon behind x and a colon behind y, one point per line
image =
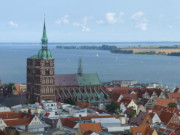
x: 109, y: 66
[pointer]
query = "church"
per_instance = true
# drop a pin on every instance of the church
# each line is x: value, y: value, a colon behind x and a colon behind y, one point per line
x: 43, y: 84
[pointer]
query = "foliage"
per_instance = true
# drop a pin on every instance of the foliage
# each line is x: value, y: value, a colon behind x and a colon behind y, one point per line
x: 30, y: 102
x: 70, y: 101
x: 121, y: 51
x: 118, y: 111
x: 133, y: 113
x: 112, y: 108
x: 172, y: 105
x: 174, y: 54
x: 10, y: 85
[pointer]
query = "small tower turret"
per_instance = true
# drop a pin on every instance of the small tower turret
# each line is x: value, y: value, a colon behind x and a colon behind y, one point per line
x: 80, y: 71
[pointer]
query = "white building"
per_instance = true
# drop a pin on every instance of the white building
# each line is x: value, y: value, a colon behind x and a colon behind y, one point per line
x: 112, y: 124
x: 50, y: 105
x: 4, y: 109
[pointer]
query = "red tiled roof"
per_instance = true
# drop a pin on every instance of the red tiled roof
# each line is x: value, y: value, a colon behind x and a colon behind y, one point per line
x: 115, y: 96
x: 165, y: 117
x: 95, y: 127
x: 70, y: 122
x: 152, y: 115
x: 17, y: 122
x: 164, y: 130
x: 125, y: 101
x: 164, y: 102
x: 12, y: 115
x: 115, y: 92
x: 131, y: 96
x: 172, y: 133
x: 145, y: 130
x: 46, y: 114
x: 174, y: 96
x: 83, y: 105
x: 149, y: 91
x: 158, y: 109
x: 172, y: 126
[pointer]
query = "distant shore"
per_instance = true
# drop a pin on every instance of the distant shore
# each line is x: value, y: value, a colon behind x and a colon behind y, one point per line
x: 154, y: 50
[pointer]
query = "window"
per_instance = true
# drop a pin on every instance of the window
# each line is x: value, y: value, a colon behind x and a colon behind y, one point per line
x: 47, y: 72
x: 47, y: 90
x: 47, y: 81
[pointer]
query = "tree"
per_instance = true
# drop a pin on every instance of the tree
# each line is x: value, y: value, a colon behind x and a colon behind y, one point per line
x: 112, y: 108
x: 133, y: 114
x: 70, y: 101
x: 172, y: 105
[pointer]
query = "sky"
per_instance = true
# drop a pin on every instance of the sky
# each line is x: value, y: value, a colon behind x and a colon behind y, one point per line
x: 90, y: 20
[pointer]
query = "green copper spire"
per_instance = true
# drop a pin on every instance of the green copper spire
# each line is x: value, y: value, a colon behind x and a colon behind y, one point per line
x: 44, y: 53
x: 44, y: 38
x: 80, y: 67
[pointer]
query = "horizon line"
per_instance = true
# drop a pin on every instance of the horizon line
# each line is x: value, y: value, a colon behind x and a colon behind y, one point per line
x: 90, y: 42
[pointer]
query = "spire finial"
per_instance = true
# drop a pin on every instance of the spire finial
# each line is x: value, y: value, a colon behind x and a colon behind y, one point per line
x: 80, y: 67
x: 44, y: 37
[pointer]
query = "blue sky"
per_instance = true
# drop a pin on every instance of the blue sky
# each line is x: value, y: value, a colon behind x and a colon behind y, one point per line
x: 90, y: 20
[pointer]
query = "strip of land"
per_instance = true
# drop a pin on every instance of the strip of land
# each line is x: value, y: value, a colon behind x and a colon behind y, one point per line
x: 154, y: 50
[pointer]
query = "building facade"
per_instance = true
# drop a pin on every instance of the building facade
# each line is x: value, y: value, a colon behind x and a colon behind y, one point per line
x: 40, y: 73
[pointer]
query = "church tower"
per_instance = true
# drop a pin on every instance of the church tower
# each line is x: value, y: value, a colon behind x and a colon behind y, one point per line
x: 40, y: 73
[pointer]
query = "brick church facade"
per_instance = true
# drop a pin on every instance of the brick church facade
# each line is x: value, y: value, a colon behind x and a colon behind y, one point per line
x: 40, y: 73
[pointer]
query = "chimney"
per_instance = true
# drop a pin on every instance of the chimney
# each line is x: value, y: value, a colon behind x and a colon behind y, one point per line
x: 26, y: 127
x: 80, y: 118
x: 29, y: 112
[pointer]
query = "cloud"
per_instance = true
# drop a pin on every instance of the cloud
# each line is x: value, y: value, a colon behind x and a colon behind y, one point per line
x: 83, y: 24
x: 63, y: 20
x: 140, y: 21
x: 12, y: 24
x: 100, y: 22
x: 111, y: 18
x: 85, y: 29
x: 137, y: 15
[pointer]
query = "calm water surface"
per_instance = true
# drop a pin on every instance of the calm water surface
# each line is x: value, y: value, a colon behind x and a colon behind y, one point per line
x: 109, y: 66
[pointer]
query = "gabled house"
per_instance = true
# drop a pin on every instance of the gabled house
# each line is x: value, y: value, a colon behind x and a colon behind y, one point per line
x: 151, y: 93
x: 143, y: 130
x: 84, y: 127
x: 23, y: 121
x: 127, y: 103
x: 142, y: 118
x: 141, y: 108
x: 147, y: 103
x: 155, y: 118
x: 168, y: 118
x: 117, y: 93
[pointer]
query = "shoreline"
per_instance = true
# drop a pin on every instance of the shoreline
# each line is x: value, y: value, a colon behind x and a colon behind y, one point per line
x: 154, y: 50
